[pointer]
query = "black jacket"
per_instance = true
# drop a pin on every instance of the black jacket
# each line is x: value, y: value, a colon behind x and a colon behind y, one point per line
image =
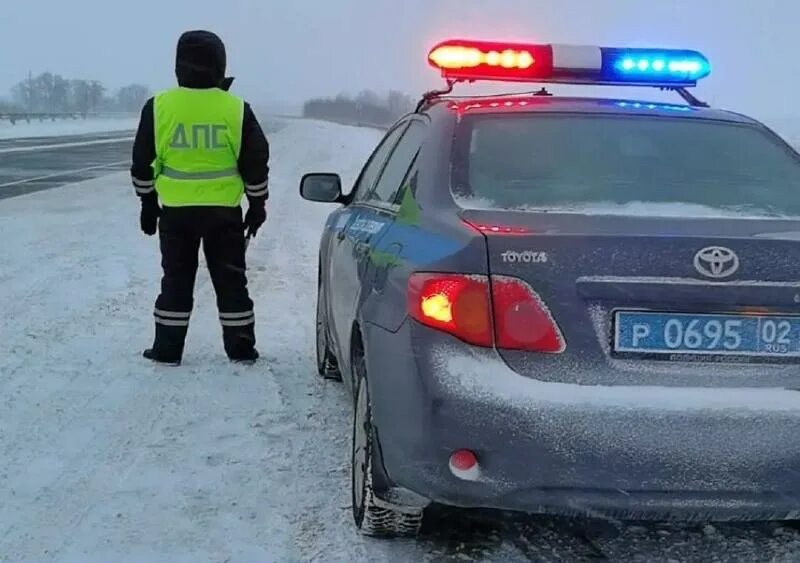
x: 200, y: 63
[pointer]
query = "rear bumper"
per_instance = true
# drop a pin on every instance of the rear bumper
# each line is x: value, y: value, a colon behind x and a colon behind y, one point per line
x: 626, y: 451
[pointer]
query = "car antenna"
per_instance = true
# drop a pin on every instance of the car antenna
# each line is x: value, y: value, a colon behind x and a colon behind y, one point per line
x: 428, y: 97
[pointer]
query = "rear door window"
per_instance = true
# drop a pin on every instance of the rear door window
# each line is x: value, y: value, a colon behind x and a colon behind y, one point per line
x: 399, y: 163
x: 624, y: 165
x: 376, y: 162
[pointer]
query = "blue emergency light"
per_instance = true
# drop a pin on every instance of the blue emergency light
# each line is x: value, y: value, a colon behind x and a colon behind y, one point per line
x: 466, y: 60
x: 642, y: 64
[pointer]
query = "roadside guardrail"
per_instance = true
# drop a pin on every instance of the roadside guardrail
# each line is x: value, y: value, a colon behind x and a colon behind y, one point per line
x: 14, y: 117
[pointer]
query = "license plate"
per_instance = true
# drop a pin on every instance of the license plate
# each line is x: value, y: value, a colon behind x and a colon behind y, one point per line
x: 684, y: 333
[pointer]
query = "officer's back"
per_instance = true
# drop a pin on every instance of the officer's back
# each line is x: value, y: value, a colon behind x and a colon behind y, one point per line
x: 198, y: 151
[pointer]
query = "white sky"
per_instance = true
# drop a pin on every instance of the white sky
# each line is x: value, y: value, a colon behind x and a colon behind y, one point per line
x: 291, y: 50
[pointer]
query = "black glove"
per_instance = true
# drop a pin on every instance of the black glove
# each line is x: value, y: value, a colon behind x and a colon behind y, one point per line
x: 255, y: 217
x: 148, y: 219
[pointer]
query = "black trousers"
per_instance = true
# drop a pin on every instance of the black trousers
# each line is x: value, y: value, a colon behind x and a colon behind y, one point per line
x: 220, y: 230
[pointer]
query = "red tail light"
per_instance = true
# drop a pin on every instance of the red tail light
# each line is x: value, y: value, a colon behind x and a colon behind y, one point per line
x: 522, y: 321
x: 454, y: 303
x: 513, y: 317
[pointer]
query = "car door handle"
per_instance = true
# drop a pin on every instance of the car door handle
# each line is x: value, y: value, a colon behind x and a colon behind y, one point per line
x: 362, y: 248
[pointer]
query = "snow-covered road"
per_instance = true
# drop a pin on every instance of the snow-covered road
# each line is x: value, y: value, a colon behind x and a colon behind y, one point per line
x: 104, y: 457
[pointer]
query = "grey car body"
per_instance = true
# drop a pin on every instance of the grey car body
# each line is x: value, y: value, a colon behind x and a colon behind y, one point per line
x: 589, y: 430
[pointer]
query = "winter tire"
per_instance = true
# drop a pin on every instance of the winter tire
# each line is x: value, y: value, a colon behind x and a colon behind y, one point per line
x: 373, y: 516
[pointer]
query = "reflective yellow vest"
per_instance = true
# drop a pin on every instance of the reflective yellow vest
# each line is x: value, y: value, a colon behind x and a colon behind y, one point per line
x: 198, y: 139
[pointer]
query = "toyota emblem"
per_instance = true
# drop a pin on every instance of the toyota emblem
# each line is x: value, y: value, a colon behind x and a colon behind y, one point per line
x: 716, y: 262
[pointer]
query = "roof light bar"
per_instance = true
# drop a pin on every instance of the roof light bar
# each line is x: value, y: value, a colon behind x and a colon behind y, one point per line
x: 486, y: 60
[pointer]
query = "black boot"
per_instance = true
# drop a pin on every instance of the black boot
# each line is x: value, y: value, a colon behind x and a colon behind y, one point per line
x: 248, y: 359
x: 168, y: 345
x: 240, y: 343
x: 151, y: 355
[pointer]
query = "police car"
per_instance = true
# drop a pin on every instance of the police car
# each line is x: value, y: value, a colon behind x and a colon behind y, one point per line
x: 568, y: 305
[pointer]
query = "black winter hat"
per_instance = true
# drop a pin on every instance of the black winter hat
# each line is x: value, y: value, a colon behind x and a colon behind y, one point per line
x: 200, y: 60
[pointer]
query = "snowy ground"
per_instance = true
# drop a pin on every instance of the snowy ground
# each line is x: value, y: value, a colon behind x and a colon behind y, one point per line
x: 63, y: 127
x: 104, y: 457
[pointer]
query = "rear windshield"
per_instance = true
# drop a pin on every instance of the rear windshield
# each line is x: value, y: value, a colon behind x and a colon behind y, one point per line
x: 625, y: 165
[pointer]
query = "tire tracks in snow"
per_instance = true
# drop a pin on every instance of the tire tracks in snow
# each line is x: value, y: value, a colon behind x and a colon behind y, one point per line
x: 311, y: 410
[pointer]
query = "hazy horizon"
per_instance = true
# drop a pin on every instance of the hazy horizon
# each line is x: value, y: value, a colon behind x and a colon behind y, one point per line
x: 286, y: 53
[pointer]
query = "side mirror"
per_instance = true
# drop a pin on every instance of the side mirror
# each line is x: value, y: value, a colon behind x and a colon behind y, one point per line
x: 323, y: 188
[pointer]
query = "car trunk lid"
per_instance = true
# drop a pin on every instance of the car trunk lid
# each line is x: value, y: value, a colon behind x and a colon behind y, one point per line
x: 587, y: 267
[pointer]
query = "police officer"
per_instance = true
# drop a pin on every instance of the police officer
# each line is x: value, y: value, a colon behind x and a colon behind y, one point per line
x: 199, y: 150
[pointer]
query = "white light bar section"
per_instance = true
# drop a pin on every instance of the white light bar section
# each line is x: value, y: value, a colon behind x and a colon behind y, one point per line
x: 577, y: 57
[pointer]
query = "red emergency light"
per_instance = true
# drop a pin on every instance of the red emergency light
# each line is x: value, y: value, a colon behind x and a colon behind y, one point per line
x: 486, y: 60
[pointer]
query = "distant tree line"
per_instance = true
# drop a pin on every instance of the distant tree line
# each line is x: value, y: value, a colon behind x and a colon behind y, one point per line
x: 52, y: 93
x: 367, y: 107
x: 6, y: 106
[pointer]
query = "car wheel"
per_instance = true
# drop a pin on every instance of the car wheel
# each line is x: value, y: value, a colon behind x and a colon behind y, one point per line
x: 373, y: 516
x: 327, y: 366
